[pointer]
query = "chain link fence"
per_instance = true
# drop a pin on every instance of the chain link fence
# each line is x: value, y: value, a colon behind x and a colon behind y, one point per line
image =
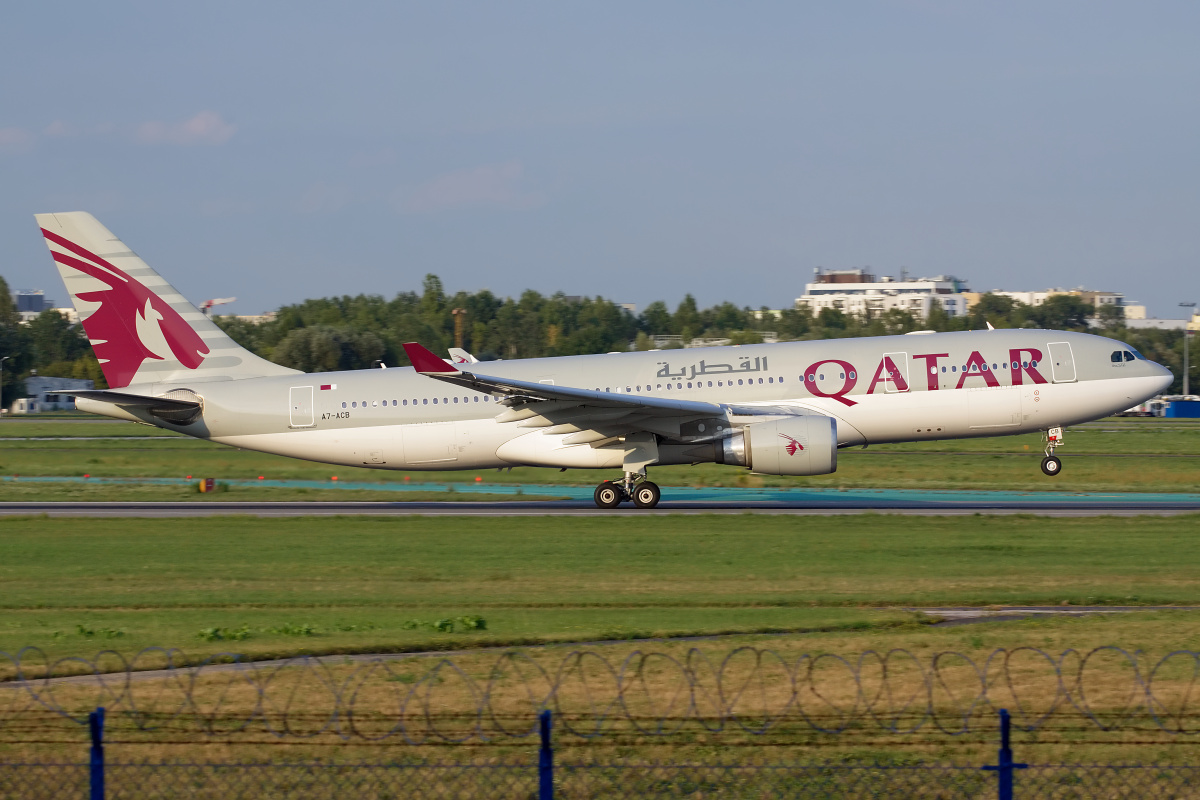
x: 519, y: 779
x: 732, y: 773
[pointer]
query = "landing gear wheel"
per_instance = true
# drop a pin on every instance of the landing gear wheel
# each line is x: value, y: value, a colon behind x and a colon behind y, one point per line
x: 609, y: 495
x: 646, y: 495
x: 1051, y: 465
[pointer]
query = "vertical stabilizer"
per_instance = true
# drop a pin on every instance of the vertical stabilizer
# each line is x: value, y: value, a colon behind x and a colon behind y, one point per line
x: 141, y: 328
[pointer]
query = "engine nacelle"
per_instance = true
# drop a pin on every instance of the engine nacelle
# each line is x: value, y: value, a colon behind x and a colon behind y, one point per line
x: 792, y: 446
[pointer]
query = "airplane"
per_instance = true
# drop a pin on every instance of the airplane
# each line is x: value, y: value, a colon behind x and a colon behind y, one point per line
x: 778, y: 409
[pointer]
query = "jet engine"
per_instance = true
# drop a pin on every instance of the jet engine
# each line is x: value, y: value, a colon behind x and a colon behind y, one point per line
x: 804, y: 445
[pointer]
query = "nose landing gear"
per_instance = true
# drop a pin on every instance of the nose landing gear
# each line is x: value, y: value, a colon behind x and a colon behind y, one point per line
x: 634, y: 486
x: 1052, y: 464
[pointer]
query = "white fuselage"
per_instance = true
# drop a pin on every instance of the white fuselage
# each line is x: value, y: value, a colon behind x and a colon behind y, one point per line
x: 882, y: 389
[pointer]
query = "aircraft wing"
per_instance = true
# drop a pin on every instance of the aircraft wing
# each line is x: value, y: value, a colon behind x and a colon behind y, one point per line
x: 587, y: 414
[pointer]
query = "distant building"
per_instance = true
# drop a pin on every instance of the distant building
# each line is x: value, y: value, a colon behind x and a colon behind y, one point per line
x: 256, y: 319
x: 44, y: 394
x: 768, y: 337
x: 1034, y: 298
x: 29, y: 304
x: 1135, y: 311
x: 34, y: 301
x: 1157, y: 324
x: 29, y: 316
x: 860, y: 293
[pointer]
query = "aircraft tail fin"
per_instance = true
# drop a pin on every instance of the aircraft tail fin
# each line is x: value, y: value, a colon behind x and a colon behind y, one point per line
x: 460, y: 356
x: 141, y: 328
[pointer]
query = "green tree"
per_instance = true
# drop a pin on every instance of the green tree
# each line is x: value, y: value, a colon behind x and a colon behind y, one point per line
x: 1000, y: 311
x: 322, y: 348
x: 686, y: 319
x: 15, y: 345
x: 656, y: 319
x: 54, y: 338
x: 832, y: 319
x: 1111, y: 317
x: 1063, y: 312
x: 795, y: 323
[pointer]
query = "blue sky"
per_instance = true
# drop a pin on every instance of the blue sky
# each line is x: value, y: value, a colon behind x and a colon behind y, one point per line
x: 278, y: 151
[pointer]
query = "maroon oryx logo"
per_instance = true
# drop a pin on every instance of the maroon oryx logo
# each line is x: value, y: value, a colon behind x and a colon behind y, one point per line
x: 113, y: 327
x: 792, y: 445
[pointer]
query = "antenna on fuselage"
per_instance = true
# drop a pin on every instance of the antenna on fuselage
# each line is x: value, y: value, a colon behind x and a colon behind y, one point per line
x: 990, y: 328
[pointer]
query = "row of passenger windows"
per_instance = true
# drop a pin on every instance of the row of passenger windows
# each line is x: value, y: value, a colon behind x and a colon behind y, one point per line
x: 668, y: 387
x: 698, y: 385
x: 975, y: 367
x: 421, y: 401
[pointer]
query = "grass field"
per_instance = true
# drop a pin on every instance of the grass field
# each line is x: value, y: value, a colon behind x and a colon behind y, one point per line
x: 272, y: 587
x: 1120, y: 455
x: 369, y: 584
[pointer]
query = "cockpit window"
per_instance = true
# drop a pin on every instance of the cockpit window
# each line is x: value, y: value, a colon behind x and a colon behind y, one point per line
x: 1115, y: 357
x: 1130, y: 354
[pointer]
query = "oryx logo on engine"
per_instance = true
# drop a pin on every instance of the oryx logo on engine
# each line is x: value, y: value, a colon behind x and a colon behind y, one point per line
x: 792, y: 445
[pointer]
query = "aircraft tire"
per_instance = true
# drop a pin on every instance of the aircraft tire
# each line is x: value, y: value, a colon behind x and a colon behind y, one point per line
x: 608, y: 495
x: 1051, y: 465
x: 646, y: 495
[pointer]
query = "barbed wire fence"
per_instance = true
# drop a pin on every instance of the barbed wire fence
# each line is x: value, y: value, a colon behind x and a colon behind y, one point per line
x: 511, y: 712
x: 750, y: 691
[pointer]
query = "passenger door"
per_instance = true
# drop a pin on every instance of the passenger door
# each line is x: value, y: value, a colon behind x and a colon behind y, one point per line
x: 300, y: 411
x: 1062, y: 362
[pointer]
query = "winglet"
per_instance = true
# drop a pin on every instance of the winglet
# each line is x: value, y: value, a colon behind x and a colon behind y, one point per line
x: 426, y: 362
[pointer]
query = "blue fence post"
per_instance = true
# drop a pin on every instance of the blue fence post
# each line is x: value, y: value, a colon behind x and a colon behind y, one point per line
x: 96, y: 763
x: 545, y: 758
x: 1005, y: 764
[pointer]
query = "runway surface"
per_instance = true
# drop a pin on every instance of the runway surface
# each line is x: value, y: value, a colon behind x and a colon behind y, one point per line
x: 676, y: 500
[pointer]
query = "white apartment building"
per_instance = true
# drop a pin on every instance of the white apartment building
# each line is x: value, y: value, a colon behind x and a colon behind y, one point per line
x: 44, y: 394
x: 860, y: 293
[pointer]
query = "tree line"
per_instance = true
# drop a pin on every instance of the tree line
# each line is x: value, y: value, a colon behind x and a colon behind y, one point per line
x: 342, y: 333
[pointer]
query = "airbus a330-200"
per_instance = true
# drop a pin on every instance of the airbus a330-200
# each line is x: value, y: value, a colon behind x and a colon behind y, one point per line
x: 778, y: 409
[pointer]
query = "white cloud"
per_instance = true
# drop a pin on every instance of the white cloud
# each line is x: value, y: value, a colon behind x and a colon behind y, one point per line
x: 206, y: 128
x: 57, y: 128
x: 495, y: 185
x: 15, y: 139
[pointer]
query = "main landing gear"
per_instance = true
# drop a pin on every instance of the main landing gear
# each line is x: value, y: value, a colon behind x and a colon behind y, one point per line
x: 1052, y: 464
x: 634, y: 486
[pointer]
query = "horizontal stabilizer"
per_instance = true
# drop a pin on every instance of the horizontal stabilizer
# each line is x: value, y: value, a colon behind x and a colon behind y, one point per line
x: 131, y: 400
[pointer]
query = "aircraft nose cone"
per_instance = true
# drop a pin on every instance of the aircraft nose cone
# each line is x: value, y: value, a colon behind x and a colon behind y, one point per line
x: 1167, y: 378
